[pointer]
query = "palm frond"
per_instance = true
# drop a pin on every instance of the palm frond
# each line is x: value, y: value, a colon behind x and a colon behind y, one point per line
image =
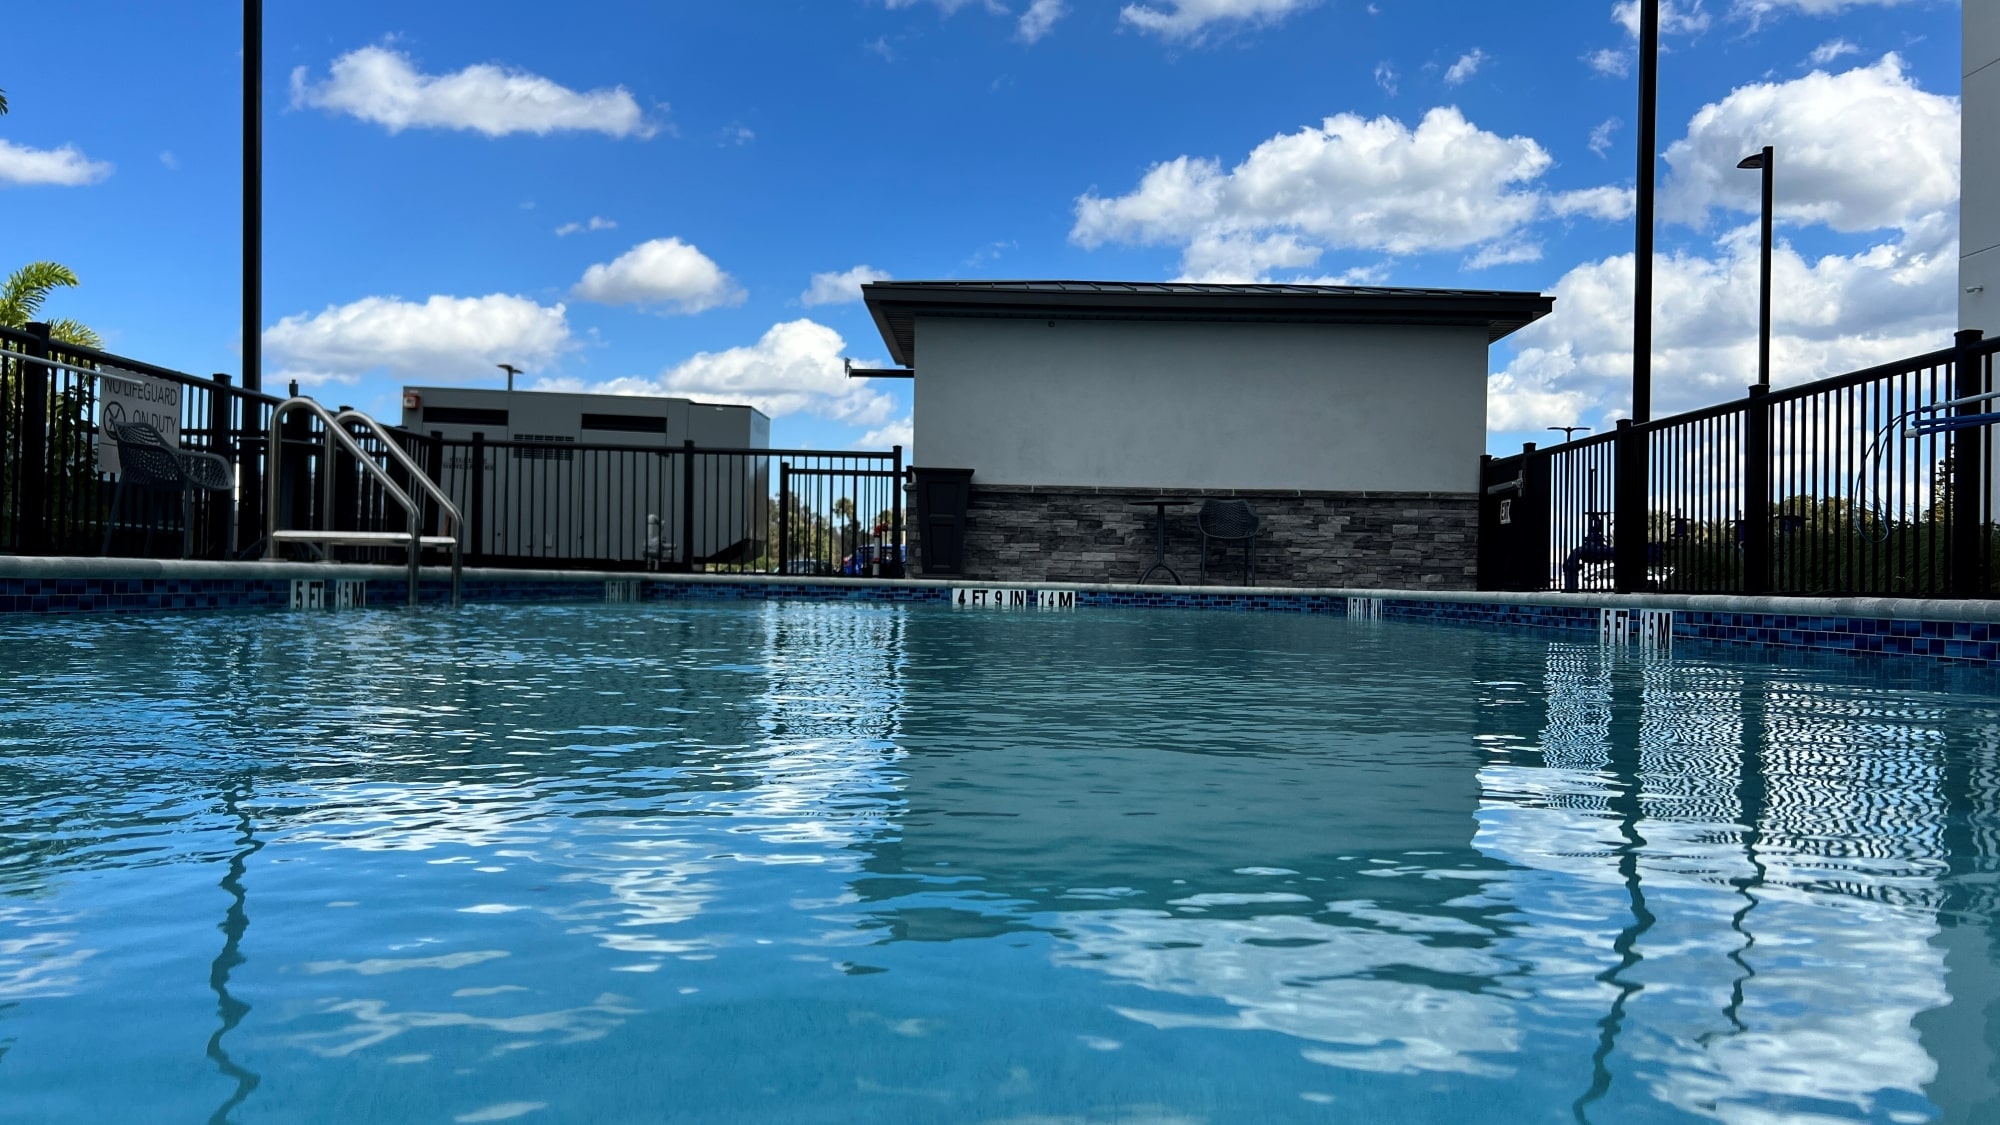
x: 3, y: 102
x: 26, y: 288
x: 69, y: 331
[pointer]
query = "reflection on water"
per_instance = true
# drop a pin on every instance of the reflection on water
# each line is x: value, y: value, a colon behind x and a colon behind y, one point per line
x: 235, y: 920
x: 860, y: 863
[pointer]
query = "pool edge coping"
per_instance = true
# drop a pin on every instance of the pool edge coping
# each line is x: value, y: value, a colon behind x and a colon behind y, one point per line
x: 1879, y: 608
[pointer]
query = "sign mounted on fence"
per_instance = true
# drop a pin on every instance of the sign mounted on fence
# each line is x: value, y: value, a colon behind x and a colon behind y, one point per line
x: 988, y: 597
x: 127, y: 396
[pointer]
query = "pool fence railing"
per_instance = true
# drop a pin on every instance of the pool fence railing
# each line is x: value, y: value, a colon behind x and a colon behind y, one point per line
x: 1877, y: 483
x: 527, y: 503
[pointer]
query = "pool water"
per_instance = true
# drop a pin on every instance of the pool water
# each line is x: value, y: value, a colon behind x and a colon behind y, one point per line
x: 812, y: 863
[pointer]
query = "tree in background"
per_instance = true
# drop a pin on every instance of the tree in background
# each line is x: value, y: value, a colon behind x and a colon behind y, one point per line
x: 72, y: 481
x: 26, y: 288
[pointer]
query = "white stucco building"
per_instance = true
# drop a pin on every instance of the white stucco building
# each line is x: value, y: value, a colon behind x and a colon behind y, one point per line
x: 1352, y: 419
x: 1979, y: 193
x: 571, y: 496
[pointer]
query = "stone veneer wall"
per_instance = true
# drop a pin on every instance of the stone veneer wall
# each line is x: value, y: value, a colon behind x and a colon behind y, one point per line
x: 1376, y: 540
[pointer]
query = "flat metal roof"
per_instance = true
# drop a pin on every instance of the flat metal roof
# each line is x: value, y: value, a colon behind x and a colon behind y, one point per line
x: 896, y: 305
x: 601, y: 397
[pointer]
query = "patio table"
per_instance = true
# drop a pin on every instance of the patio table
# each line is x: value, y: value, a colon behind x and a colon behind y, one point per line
x: 1160, y: 504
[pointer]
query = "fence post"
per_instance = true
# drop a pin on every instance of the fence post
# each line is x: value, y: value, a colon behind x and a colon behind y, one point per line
x: 1757, y: 492
x: 434, y: 469
x: 475, y: 519
x: 252, y: 462
x: 687, y: 504
x: 1534, y: 567
x: 345, y: 493
x: 784, y: 516
x: 896, y: 551
x: 1628, y: 510
x: 34, y: 479
x: 1487, y: 552
x: 1968, y: 472
x: 294, y: 461
x: 221, y: 512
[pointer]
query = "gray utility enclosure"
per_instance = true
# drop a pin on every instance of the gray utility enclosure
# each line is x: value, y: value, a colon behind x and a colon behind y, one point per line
x: 1350, y: 419
x: 565, y: 474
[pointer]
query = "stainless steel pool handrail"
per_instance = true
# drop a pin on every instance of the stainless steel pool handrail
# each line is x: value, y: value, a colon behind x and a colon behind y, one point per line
x: 430, y: 488
x: 337, y: 435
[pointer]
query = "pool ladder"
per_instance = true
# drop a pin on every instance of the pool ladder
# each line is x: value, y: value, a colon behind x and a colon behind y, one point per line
x: 339, y: 437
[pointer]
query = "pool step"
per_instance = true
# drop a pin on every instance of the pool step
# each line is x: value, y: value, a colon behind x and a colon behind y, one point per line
x: 362, y: 538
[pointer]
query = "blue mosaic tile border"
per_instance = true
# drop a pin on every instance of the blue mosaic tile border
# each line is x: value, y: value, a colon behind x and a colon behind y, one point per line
x: 396, y: 591
x: 1562, y: 617
x: 1171, y: 598
x: 135, y: 595
x: 138, y: 595
x: 1963, y: 642
x: 760, y: 591
x: 1953, y: 642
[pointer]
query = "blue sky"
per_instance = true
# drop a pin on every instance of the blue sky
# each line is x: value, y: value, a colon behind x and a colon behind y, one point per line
x: 678, y: 196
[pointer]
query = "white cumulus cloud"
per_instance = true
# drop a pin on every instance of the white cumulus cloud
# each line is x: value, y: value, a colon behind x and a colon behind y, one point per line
x: 1468, y: 64
x: 1755, y: 10
x: 441, y: 339
x: 899, y: 432
x: 1906, y: 170
x: 1610, y: 62
x: 1612, y: 204
x: 662, y: 273
x: 1677, y: 17
x: 384, y: 86
x: 1504, y: 253
x: 1830, y: 50
x: 1191, y: 19
x: 1039, y: 19
x: 597, y: 222
x: 794, y: 368
x: 948, y: 6
x: 1832, y: 313
x: 1349, y: 184
x: 841, y: 286
x: 1600, y: 135
x: 60, y: 167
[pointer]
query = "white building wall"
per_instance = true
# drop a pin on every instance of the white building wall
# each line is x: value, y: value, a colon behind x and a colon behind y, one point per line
x: 1188, y: 405
x: 1979, y: 204
x: 593, y: 504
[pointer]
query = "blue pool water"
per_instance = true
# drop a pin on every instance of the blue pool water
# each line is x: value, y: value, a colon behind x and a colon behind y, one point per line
x: 806, y: 863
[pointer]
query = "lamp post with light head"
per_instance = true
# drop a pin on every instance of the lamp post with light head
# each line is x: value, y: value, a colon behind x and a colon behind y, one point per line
x: 1763, y: 161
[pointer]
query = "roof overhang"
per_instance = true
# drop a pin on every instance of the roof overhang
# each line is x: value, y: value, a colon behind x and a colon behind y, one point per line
x: 896, y: 305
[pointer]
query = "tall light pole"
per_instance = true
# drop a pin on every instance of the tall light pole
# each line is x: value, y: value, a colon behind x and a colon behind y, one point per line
x: 1569, y: 432
x: 511, y: 371
x: 1763, y: 160
x: 253, y: 195
x: 1642, y: 243
x: 1630, y: 489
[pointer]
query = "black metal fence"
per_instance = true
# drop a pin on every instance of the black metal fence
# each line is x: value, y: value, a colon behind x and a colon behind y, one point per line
x: 526, y: 503
x: 601, y: 506
x: 53, y: 499
x: 1879, y: 482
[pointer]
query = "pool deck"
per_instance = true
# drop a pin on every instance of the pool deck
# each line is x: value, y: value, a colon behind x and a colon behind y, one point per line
x: 1945, y: 631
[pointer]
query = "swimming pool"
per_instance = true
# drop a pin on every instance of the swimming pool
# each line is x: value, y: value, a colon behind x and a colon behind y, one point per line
x: 859, y: 863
